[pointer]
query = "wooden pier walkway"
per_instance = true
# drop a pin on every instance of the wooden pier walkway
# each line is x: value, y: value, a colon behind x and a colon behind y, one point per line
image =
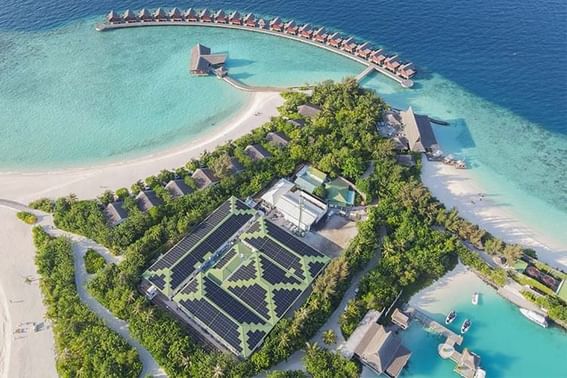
x: 427, y: 322
x: 364, y: 73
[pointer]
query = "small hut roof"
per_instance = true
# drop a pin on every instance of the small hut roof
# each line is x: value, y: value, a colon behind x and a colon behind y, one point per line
x: 308, y: 110
x: 220, y: 13
x: 175, y: 12
x: 335, y: 35
x: 205, y: 12
x: 249, y: 17
x: 204, y: 177
x: 364, y: 46
x: 159, y: 13
x: 348, y: 41
x: 235, y: 14
x: 144, y: 13
x: 296, y: 122
x: 305, y: 27
x: 321, y: 30
x: 235, y: 165
x: 290, y: 24
x: 277, y: 139
x: 177, y: 188
x: 391, y: 59
x: 115, y: 213
x: 129, y: 15
x: 113, y: 16
x: 276, y: 20
x: 147, y: 199
x: 190, y: 13
x: 256, y: 152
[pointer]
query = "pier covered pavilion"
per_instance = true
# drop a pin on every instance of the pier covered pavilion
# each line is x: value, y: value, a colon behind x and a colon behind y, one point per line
x: 203, y: 62
x: 418, y: 131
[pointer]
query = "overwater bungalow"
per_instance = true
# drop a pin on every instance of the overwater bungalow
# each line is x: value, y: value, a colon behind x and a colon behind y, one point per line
x: 113, y: 17
x: 349, y: 45
x: 319, y: 35
x: 291, y: 28
x: 392, y: 63
x: 147, y: 199
x: 129, y: 16
x: 364, y: 50
x: 191, y: 15
x: 335, y: 40
x: 406, y: 71
x: 263, y: 24
x: 235, y: 18
x: 256, y: 152
x: 204, y: 178
x: 205, y: 16
x: 145, y: 15
x: 160, y: 15
x: 377, y: 57
x: 277, y: 24
x: 277, y: 139
x: 306, y: 31
x: 178, y: 188
x: 175, y: 15
x: 250, y: 20
x: 220, y: 17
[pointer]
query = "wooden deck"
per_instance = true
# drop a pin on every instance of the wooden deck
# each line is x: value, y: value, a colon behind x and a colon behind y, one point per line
x: 427, y: 322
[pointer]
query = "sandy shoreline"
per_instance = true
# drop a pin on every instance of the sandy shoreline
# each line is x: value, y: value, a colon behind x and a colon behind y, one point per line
x: 458, y: 188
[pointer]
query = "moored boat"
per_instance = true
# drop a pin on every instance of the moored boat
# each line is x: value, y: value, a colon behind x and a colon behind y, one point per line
x: 466, y: 326
x: 534, y: 317
x: 475, y: 298
x: 450, y: 317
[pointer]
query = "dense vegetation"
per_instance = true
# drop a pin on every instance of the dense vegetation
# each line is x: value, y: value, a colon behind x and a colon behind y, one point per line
x: 422, y: 238
x: 93, y: 261
x: 557, y: 310
x: 26, y: 217
x: 321, y: 363
x: 84, y: 346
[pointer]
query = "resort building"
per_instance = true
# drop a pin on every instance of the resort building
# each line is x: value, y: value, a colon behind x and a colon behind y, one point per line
x: 296, y: 122
x: 319, y: 35
x: 276, y: 24
x: 377, y: 348
x: 177, y: 188
x: 468, y: 364
x: 400, y: 319
x: 309, y: 110
x: 297, y: 207
x: 203, y: 62
x: 364, y: 50
x: 392, y: 63
x: 277, y: 139
x: 191, y: 15
x: 234, y: 276
x: 235, y: 18
x: 176, y: 15
x: 406, y: 71
x: 256, y: 152
x: 115, y: 213
x: 349, y: 45
x: 204, y: 178
x: 220, y: 17
x: 160, y: 15
x: 113, y: 17
x: 418, y: 131
x: 308, y: 178
x: 335, y: 40
x: 129, y: 16
x: 147, y: 199
x: 378, y: 57
x: 305, y: 31
x: 339, y: 193
x: 145, y: 16
x: 250, y: 20
x: 235, y: 166
x: 205, y: 16
x: 291, y: 28
x: 406, y: 160
x: 262, y: 24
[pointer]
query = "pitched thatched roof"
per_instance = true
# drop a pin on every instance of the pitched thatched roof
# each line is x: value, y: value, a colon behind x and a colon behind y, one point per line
x: 147, y: 199
x: 256, y: 152
x: 249, y: 17
x: 144, y: 14
x: 277, y: 139
x: 190, y: 13
x: 418, y: 131
x: 175, y: 13
x: 308, y: 110
x: 160, y: 13
x: 275, y: 21
x: 235, y: 14
x: 220, y: 14
x: 115, y: 213
x: 203, y: 60
x: 177, y: 188
x: 129, y: 15
x: 204, y: 177
x: 113, y: 16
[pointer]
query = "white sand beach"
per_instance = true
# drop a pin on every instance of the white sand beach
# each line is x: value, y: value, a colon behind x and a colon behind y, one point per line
x: 458, y: 188
x: 31, y: 354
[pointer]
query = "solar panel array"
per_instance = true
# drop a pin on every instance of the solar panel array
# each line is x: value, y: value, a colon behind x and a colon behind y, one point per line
x: 290, y: 241
x: 254, y: 338
x: 277, y: 253
x: 283, y: 298
x: 244, y: 272
x: 254, y: 296
x: 225, y: 259
x: 274, y: 274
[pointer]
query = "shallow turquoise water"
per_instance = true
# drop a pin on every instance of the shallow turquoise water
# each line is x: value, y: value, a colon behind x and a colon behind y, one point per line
x: 72, y: 96
x: 508, y: 344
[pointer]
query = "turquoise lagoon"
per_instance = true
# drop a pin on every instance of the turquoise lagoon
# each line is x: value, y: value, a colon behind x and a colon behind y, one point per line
x: 508, y: 344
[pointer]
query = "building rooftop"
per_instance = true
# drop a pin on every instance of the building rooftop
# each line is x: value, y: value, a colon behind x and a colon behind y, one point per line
x: 203, y: 61
x: 418, y: 131
x: 178, y: 188
x: 115, y: 213
x: 277, y: 139
x: 204, y: 177
x: 147, y: 199
x: 256, y: 152
x: 308, y: 178
x: 308, y: 110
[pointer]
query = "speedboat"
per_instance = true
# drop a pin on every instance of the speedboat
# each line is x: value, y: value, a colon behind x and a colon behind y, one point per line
x: 534, y: 317
x: 475, y: 298
x: 466, y: 325
x: 450, y: 317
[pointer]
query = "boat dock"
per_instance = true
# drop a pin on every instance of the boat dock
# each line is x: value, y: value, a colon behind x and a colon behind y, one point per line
x: 359, y: 52
x: 427, y: 322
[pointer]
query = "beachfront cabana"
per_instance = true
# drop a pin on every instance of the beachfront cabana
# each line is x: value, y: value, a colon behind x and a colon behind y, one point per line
x: 291, y: 28
x: 306, y: 31
x: 235, y: 18
x: 178, y: 188
x: 191, y: 15
x: 113, y: 17
x: 147, y: 199
x: 203, y: 61
x: 250, y: 20
x: 277, y: 139
x: 276, y: 24
x: 406, y: 71
x: 220, y: 17
x: 309, y: 110
x: 418, y: 131
x: 296, y: 122
x: 205, y: 16
x: 349, y: 45
x: 319, y: 35
x: 235, y: 166
x: 377, y: 57
x: 204, y: 178
x: 175, y: 15
x: 115, y: 213
x: 145, y: 15
x: 160, y: 15
x: 364, y: 50
x: 129, y: 16
x: 256, y: 152
x: 335, y: 40
x: 392, y: 63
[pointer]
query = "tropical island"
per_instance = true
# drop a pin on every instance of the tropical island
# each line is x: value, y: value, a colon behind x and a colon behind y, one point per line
x: 238, y: 258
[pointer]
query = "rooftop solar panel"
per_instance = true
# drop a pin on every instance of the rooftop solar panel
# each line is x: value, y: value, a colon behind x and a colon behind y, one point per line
x: 278, y: 254
x: 254, y: 296
x: 283, y: 298
x: 274, y: 274
x: 225, y: 259
x: 254, y: 338
x: 244, y: 272
x: 290, y: 241
x: 315, y: 267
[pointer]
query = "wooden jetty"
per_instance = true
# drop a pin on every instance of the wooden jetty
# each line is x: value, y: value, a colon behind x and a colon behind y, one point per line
x: 399, y: 73
x: 427, y: 322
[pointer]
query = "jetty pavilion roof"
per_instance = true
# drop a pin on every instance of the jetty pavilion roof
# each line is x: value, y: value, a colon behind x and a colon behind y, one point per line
x: 202, y: 60
x: 418, y: 131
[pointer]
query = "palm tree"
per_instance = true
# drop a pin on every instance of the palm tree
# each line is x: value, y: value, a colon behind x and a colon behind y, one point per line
x: 311, y: 348
x: 329, y: 337
x: 217, y: 371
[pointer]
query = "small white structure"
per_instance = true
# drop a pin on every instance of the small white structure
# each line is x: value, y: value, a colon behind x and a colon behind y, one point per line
x: 297, y: 207
x: 151, y: 292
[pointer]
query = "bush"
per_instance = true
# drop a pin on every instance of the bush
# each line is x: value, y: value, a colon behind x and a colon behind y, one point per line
x: 28, y: 218
x: 43, y: 204
x: 94, y: 262
x: 287, y: 374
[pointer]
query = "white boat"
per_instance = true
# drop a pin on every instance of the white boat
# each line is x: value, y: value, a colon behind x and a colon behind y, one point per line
x: 450, y: 317
x: 534, y: 317
x: 475, y: 298
x: 466, y: 326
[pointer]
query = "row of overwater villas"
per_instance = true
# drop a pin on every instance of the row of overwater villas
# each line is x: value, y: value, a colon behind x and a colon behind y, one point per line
x: 347, y: 44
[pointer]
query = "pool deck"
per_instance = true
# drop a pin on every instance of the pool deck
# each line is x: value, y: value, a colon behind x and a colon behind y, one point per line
x: 370, y: 66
